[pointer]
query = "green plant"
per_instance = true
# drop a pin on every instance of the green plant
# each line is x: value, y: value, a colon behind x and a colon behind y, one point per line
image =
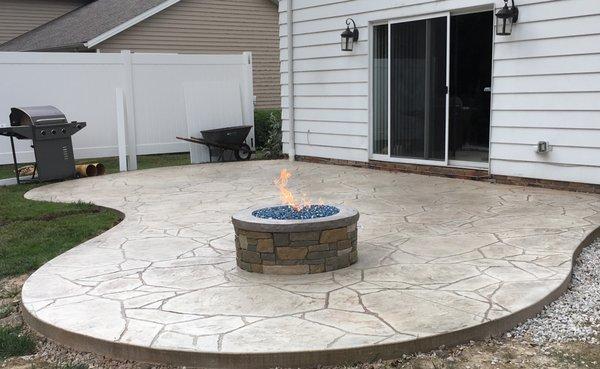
x: 261, y: 125
x: 5, y: 311
x: 9, y: 292
x: 272, y: 148
x: 13, y: 342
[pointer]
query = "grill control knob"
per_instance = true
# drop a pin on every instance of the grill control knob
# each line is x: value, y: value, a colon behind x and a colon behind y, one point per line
x: 43, y: 133
x: 64, y: 130
x: 78, y: 126
x: 53, y: 131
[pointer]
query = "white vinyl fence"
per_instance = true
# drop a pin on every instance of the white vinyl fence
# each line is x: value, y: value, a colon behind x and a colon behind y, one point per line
x: 146, y: 93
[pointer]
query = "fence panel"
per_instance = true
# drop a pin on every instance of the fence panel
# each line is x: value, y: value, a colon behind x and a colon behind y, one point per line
x: 84, y: 85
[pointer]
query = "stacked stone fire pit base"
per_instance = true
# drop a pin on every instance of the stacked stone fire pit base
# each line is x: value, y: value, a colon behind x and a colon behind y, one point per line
x: 304, y: 246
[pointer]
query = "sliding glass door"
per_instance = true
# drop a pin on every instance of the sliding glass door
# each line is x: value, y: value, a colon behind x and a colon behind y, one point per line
x: 416, y: 85
x: 430, y: 85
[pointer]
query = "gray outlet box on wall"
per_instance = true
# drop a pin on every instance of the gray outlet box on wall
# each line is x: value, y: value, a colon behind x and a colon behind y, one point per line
x: 543, y: 147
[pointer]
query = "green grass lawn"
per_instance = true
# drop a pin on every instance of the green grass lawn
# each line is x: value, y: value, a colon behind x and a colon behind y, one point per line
x: 112, y: 163
x: 6, y: 171
x: 13, y: 342
x: 33, y: 232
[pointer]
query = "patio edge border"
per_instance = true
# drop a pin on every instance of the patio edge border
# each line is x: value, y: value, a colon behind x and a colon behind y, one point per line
x: 301, y: 358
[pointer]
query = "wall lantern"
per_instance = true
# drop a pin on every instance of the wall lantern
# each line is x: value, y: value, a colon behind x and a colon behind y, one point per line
x: 506, y: 17
x: 349, y: 37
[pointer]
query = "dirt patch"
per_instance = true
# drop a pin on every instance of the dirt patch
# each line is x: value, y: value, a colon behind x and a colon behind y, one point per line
x: 10, y: 298
x: 496, y: 354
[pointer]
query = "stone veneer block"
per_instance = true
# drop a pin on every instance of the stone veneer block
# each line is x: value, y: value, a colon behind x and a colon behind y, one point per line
x: 287, y: 247
x: 292, y: 253
x: 265, y: 245
x: 334, y: 235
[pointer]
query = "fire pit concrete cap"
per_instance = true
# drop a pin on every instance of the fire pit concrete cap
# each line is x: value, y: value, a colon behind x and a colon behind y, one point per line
x: 245, y: 220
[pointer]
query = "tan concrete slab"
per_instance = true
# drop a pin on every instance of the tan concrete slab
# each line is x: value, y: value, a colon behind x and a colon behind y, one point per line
x: 440, y: 261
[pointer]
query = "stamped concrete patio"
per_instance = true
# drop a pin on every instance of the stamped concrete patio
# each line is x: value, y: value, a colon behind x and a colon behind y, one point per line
x: 440, y: 261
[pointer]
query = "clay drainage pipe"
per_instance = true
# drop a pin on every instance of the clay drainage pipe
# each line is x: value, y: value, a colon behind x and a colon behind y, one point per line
x: 100, y: 169
x: 86, y: 170
x: 90, y: 170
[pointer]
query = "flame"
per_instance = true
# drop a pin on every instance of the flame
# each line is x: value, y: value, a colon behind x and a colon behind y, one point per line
x: 286, y: 195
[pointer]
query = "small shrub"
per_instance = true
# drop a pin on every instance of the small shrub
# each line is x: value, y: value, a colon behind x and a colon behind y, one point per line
x: 13, y: 342
x: 5, y: 311
x: 261, y: 125
x: 272, y: 148
x: 9, y: 292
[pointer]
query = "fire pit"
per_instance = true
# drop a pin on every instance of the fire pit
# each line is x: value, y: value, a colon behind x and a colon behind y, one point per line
x: 294, y: 238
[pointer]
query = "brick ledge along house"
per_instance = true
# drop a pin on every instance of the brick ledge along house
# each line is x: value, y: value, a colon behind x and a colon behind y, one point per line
x: 163, y: 26
x: 442, y: 87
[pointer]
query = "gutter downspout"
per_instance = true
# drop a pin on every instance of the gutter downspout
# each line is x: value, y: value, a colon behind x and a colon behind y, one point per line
x: 290, y: 73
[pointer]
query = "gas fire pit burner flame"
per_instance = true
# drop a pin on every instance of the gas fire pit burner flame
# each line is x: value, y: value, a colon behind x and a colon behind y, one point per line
x: 292, y: 208
x: 287, y: 197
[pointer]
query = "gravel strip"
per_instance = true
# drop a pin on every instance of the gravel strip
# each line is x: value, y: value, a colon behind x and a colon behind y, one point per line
x: 575, y: 316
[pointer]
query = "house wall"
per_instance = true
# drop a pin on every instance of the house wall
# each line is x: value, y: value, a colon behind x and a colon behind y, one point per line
x: 215, y: 27
x: 20, y: 16
x: 546, y: 83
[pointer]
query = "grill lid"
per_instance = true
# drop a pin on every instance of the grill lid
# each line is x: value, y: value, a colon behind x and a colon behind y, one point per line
x: 36, y: 115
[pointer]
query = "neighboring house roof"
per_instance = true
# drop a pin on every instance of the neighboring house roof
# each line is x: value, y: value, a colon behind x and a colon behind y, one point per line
x: 88, y: 25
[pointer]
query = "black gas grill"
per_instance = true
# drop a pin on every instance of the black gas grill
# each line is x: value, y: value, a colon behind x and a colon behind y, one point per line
x: 51, y: 133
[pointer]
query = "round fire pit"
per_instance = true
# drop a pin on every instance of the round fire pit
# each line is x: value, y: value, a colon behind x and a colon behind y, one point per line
x: 280, y: 240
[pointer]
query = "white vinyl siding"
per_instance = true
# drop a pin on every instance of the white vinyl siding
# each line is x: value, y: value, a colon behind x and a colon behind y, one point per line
x: 546, y: 83
x: 20, y: 16
x: 213, y: 27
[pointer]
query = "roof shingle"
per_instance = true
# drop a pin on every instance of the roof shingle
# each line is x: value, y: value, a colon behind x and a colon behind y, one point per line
x: 83, y: 24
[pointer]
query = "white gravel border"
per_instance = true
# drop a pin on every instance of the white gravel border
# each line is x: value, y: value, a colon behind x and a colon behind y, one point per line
x: 575, y: 316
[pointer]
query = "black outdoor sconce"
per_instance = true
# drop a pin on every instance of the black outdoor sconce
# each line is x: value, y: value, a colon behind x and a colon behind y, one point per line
x: 507, y: 16
x: 349, y: 37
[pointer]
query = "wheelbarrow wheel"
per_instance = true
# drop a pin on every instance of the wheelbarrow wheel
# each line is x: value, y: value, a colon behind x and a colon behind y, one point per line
x: 244, y: 152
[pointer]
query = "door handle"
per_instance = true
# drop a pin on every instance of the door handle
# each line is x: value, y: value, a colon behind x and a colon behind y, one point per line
x: 487, y: 89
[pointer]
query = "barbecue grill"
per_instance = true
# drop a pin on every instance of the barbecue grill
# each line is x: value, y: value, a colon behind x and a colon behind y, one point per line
x: 51, y: 133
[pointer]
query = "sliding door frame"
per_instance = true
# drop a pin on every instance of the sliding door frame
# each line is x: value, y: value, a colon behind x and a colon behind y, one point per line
x: 447, y: 162
x: 475, y: 164
x: 389, y: 157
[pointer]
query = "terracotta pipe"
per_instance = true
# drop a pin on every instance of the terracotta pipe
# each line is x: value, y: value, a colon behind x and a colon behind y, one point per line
x: 86, y: 170
x: 100, y: 169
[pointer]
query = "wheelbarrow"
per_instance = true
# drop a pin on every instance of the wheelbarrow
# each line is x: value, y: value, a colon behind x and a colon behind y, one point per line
x: 225, y: 139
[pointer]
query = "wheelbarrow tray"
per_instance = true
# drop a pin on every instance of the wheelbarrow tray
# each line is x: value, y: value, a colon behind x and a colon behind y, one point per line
x: 227, y: 136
